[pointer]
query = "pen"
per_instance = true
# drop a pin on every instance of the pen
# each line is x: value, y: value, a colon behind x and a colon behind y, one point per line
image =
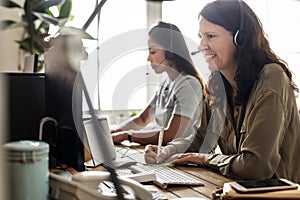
x: 160, y: 140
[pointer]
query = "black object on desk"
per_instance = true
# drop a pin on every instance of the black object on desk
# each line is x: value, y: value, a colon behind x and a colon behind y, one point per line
x: 61, y: 96
x: 25, y: 105
x: 33, y: 96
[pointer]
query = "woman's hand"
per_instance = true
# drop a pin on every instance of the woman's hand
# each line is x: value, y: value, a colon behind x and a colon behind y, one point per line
x: 118, y: 137
x: 186, y: 158
x: 151, y: 156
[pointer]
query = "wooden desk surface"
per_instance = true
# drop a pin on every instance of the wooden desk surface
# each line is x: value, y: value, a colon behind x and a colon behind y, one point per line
x: 211, y: 180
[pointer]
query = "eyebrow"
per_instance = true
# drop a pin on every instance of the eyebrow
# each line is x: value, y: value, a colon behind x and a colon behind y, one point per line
x: 209, y: 33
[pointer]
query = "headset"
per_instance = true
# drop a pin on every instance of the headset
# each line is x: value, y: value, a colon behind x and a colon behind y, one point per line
x: 238, y: 36
x: 169, y: 55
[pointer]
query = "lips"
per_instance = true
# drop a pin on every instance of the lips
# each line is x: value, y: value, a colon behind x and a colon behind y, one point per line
x: 209, y: 57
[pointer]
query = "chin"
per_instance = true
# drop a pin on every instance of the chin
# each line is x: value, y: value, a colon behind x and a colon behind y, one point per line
x: 212, y: 66
x: 157, y: 71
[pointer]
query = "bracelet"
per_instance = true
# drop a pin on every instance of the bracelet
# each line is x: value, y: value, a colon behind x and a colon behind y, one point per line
x: 129, y: 138
x: 129, y: 134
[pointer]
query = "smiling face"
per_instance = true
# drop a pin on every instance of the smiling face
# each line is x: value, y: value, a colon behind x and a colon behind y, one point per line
x: 156, y: 56
x: 217, y: 46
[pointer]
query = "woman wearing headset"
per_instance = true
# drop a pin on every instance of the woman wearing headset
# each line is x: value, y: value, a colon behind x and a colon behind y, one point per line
x: 253, y: 115
x: 178, y: 101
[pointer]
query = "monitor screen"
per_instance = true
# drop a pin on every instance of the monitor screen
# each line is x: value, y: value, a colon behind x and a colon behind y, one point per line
x: 25, y: 105
x: 33, y: 96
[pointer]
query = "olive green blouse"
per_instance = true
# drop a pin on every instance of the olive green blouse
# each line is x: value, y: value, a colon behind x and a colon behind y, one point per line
x: 261, y: 140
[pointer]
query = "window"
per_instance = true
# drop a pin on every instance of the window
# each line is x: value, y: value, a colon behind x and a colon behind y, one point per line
x: 284, y: 33
x: 117, y: 57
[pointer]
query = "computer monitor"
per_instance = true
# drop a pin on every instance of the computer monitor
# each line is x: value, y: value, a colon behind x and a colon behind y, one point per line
x: 25, y: 105
x: 34, y: 96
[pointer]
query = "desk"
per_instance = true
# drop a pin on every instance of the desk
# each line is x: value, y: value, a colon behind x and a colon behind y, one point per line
x: 211, y: 180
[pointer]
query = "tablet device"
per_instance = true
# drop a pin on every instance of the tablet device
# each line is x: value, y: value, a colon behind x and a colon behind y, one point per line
x: 263, y: 185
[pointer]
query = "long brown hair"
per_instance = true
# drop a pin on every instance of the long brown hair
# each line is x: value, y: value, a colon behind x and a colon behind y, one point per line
x: 170, y: 37
x: 254, y: 52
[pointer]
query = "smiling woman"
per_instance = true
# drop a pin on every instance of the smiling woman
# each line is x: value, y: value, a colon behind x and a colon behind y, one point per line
x: 275, y: 27
x: 218, y: 57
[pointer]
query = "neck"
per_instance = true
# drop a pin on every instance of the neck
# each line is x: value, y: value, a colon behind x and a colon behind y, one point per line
x: 172, y: 72
x: 229, y: 74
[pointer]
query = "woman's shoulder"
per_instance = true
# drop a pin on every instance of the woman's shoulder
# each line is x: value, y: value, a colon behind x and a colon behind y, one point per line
x: 187, y: 82
x: 271, y: 69
x: 188, y: 78
x: 272, y: 76
x: 272, y: 72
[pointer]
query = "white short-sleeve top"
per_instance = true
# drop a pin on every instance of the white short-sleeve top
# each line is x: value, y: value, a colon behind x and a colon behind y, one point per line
x: 183, y: 96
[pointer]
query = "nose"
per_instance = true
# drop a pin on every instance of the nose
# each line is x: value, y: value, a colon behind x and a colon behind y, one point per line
x: 203, y: 45
x: 149, y: 58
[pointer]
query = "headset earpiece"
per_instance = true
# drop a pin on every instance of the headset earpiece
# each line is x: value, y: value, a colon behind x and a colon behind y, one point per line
x: 169, y: 55
x: 238, y: 38
x: 239, y: 34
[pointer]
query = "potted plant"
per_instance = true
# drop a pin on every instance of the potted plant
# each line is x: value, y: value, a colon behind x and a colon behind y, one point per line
x: 36, y: 20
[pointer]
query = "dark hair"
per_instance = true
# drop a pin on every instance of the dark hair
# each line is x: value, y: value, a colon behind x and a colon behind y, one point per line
x: 170, y: 37
x: 254, y: 52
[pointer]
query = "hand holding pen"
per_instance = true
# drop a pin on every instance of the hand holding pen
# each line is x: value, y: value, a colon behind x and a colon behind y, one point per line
x: 151, y: 154
x: 165, y: 156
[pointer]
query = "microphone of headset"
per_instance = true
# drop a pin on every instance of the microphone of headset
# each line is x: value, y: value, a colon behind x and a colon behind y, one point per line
x: 194, y: 52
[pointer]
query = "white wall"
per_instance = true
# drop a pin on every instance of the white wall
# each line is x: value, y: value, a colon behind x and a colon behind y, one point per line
x: 9, y: 56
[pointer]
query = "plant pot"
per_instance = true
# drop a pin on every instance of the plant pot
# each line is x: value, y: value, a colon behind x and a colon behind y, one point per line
x: 31, y: 63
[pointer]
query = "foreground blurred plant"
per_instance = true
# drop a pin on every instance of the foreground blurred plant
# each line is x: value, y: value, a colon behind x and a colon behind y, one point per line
x: 36, y: 20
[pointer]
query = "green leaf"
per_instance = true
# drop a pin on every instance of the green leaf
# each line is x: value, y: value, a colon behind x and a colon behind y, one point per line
x: 48, y: 11
x: 25, y: 45
x: 62, y: 22
x: 41, y: 6
x: 39, y: 45
x: 65, y: 9
x: 10, y: 4
x: 47, y: 18
x: 42, y: 28
x: 51, y: 20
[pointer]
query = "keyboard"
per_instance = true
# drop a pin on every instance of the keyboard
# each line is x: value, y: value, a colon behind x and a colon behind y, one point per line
x: 166, y: 176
